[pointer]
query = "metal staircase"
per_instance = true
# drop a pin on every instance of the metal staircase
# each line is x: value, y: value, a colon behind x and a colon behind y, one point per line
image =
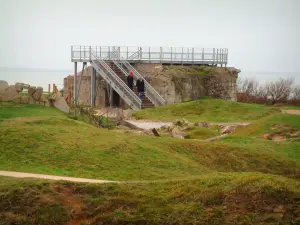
x: 115, y: 82
x: 125, y: 67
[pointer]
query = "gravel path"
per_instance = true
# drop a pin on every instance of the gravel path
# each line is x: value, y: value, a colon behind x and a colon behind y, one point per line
x: 51, y: 177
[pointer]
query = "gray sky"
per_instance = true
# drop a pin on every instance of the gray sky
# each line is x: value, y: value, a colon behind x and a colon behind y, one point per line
x: 261, y: 35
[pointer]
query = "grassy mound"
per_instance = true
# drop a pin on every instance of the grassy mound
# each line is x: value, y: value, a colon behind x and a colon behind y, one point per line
x: 200, y: 133
x: 10, y: 110
x: 239, y: 198
x: 54, y: 144
x: 206, y: 109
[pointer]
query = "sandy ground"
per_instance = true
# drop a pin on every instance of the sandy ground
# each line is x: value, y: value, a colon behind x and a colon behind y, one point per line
x: 51, y: 177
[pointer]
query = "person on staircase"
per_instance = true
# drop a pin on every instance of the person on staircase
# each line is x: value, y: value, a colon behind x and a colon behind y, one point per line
x: 130, y: 80
x: 141, y: 87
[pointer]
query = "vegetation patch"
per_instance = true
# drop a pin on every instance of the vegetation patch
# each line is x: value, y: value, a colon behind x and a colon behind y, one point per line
x: 232, y: 198
x: 207, y: 109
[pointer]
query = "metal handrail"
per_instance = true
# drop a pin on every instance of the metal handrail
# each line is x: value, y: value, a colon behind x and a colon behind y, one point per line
x: 150, y: 92
x: 116, y: 82
x: 175, y: 55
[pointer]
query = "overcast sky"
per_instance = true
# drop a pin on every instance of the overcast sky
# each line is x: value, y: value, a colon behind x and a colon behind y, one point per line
x: 261, y: 35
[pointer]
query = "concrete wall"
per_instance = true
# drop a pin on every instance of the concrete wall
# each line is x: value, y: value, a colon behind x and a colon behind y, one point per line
x: 182, y: 83
x: 174, y: 83
x: 84, y: 94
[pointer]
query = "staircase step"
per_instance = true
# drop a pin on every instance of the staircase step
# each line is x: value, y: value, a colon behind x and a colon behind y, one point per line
x: 146, y: 103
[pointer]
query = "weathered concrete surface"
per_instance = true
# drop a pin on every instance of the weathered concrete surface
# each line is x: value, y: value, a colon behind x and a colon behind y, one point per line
x: 183, y: 83
x: 174, y: 83
x: 115, y: 112
x: 147, y: 125
x: 84, y: 93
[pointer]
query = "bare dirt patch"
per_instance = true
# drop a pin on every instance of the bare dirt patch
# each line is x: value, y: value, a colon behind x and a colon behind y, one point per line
x: 68, y: 198
x: 282, y: 132
x: 291, y: 111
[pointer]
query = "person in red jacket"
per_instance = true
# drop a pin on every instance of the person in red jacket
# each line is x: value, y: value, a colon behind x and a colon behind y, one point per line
x: 130, y: 80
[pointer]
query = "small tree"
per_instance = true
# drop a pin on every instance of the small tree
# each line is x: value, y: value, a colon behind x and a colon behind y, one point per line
x: 280, y: 90
x: 296, y: 93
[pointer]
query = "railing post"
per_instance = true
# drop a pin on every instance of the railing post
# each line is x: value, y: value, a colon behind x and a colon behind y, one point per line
x: 140, y: 54
x: 149, y: 55
x: 90, y: 53
x: 109, y: 52
x: 213, y: 57
x: 193, y: 55
x: 181, y: 55
x: 218, y: 56
x: 75, y: 84
x: 127, y: 54
x: 80, y: 52
x: 160, y: 55
x: 84, y: 53
x: 171, y: 56
x: 100, y: 52
x: 72, y: 53
x: 221, y: 56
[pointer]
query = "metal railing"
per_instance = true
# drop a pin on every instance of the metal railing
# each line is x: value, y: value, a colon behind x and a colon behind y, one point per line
x: 126, y: 68
x: 172, y: 55
x: 115, y: 81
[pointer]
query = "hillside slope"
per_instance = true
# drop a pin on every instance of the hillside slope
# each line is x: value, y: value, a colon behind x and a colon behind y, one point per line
x: 207, y: 109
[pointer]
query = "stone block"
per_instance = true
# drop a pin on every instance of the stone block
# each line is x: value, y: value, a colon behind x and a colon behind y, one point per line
x: 3, y: 86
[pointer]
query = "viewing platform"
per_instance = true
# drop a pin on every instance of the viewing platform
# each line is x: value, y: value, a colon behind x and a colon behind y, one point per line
x: 163, y: 55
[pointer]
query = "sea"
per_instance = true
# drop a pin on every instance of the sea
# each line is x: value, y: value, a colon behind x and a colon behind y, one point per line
x: 37, y: 78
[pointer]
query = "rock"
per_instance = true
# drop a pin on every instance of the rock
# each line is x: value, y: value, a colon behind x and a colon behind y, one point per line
x: 170, y: 128
x: 31, y: 91
x: 24, y: 99
x: 228, y: 129
x: 279, y: 209
x: 61, y: 104
x: 3, y: 86
x: 202, y: 124
x: 10, y: 94
x: 177, y: 133
x: 181, y: 122
x: 37, y: 94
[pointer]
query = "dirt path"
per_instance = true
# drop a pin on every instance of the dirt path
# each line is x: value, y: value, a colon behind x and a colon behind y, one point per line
x: 51, y: 177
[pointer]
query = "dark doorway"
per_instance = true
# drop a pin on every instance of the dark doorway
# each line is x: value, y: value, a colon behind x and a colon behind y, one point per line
x: 115, y: 99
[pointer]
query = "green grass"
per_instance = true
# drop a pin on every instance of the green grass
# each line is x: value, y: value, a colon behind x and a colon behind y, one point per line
x: 206, y: 109
x: 200, y: 133
x: 217, y: 198
x: 241, y: 179
x: 51, y: 143
x: 268, y: 124
x: 9, y: 110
